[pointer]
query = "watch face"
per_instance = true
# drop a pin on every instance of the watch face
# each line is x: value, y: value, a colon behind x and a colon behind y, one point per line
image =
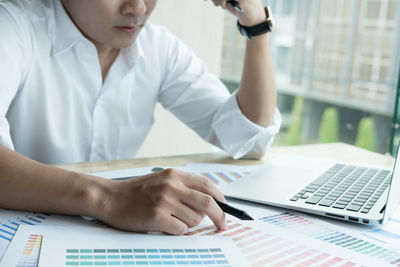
x: 244, y: 32
x: 271, y: 21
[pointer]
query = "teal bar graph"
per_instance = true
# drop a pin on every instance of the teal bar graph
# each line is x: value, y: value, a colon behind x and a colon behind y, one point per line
x: 145, y: 256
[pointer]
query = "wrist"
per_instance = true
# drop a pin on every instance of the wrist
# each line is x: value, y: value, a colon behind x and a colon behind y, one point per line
x: 253, y: 20
x: 260, y: 40
x: 94, y: 196
x: 253, y: 15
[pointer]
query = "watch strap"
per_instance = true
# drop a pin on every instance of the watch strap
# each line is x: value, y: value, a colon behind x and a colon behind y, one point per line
x: 258, y: 29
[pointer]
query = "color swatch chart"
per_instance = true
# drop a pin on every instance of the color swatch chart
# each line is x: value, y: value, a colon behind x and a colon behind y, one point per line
x: 146, y: 256
x: 222, y: 177
x: 31, y: 252
x: 324, y: 233
x: 9, y: 222
x: 9, y: 227
x: 271, y: 248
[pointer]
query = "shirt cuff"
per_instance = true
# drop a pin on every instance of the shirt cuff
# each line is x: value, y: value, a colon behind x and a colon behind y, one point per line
x: 239, y: 136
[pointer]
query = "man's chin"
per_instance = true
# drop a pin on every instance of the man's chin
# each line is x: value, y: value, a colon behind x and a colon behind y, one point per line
x: 120, y: 43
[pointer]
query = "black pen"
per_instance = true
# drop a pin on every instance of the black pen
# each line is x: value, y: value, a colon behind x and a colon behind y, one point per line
x: 235, y: 5
x: 240, y: 214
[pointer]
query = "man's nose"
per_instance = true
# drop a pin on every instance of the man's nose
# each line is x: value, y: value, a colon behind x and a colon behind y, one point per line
x: 134, y: 7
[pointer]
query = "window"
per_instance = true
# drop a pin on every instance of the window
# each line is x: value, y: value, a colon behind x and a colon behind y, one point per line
x: 373, y: 9
x: 283, y: 55
x: 341, y: 58
x: 287, y: 7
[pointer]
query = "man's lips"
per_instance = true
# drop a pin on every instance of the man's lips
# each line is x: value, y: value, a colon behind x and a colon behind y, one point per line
x: 128, y: 29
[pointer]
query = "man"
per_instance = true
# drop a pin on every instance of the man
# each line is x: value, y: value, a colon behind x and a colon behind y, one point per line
x: 79, y: 81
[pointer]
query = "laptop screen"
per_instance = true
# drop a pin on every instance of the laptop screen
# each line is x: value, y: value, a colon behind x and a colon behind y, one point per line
x: 394, y: 189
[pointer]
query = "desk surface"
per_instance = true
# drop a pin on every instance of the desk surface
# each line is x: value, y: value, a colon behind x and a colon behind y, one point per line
x: 337, y: 151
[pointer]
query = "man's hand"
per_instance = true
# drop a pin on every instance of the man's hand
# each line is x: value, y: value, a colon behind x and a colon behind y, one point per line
x: 253, y: 11
x: 169, y: 201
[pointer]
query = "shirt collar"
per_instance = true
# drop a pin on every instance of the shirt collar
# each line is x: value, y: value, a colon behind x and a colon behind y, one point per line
x: 66, y: 35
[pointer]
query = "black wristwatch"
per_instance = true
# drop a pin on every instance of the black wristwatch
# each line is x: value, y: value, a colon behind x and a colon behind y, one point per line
x: 263, y: 27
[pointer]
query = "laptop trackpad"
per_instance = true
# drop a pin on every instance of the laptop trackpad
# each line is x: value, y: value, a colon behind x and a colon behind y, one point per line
x: 278, y: 180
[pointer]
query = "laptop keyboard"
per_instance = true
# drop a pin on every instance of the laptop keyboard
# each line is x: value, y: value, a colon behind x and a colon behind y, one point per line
x: 346, y: 187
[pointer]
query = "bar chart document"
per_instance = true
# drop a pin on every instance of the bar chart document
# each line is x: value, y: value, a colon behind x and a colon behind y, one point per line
x: 381, y: 243
x: 264, y: 244
x: 10, y: 220
x: 77, y: 246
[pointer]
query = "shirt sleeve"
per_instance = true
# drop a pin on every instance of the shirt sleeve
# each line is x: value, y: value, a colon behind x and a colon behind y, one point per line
x: 249, y: 140
x: 11, y: 67
x: 202, y: 102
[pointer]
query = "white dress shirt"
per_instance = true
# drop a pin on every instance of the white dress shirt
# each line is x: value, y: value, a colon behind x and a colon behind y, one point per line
x: 55, y: 108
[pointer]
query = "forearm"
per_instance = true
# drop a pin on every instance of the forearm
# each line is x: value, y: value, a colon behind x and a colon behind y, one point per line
x: 257, y: 93
x: 31, y: 186
x: 168, y: 201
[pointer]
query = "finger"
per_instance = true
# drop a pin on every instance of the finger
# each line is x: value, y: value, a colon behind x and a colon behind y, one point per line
x: 204, y: 185
x: 198, y: 193
x: 223, y: 4
x: 220, y: 3
x: 187, y: 215
x: 193, y: 181
x: 171, y: 225
x: 230, y: 8
x: 204, y: 203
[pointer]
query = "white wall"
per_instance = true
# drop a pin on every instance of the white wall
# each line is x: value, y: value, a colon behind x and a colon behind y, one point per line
x: 200, y: 25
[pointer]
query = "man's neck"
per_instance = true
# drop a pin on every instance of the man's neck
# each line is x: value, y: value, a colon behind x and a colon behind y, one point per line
x: 107, y: 56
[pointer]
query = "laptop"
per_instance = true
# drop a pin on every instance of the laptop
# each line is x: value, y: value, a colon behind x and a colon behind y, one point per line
x: 364, y: 194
